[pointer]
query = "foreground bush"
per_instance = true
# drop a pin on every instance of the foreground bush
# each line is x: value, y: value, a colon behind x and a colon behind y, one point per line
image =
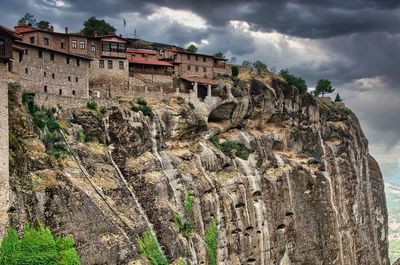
x: 37, y: 247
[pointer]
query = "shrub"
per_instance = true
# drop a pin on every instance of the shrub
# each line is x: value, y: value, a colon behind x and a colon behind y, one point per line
x: 103, y: 110
x: 348, y: 112
x: 191, y: 105
x: 211, y: 239
x: 293, y: 80
x: 188, y: 203
x: 149, y: 248
x: 181, y: 261
x: 83, y: 137
x: 37, y: 247
x: 91, y: 104
x: 185, y: 227
x: 141, y: 105
x: 235, y: 71
x: 231, y: 148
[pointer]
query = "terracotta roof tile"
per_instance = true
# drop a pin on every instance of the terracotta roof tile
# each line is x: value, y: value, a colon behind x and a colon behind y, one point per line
x: 148, y: 61
x: 198, y: 79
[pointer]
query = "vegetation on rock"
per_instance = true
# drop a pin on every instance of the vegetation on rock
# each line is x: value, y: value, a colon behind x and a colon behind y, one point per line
x: 185, y: 227
x: 37, y: 247
x: 92, y: 105
x: 235, y: 71
x: 231, y: 148
x: 293, y: 80
x: 324, y: 86
x: 141, y: 105
x: 149, y: 248
x: 211, y: 239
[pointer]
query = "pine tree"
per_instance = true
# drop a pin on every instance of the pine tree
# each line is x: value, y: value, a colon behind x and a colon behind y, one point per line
x: 338, y: 98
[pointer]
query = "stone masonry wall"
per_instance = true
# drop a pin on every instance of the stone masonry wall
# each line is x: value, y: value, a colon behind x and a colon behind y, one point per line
x: 4, y: 171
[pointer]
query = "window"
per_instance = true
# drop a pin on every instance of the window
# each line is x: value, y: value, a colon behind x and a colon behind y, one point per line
x: 121, y: 65
x: 73, y: 92
x: 26, y: 51
x: 188, y: 67
x: 69, y: 78
x: 82, y: 45
x: 78, y: 62
x: 105, y: 46
x: 101, y: 63
x: 46, y: 41
x: 76, y: 79
x: 52, y: 56
x: 60, y: 92
x: 110, y: 64
x: 2, y: 47
x: 204, y: 59
x: 197, y: 68
x: 74, y: 44
x: 63, y: 44
x: 188, y: 56
x: 68, y: 60
x: 53, y: 76
x: 44, y: 74
x: 93, y: 47
x: 10, y: 66
x: 40, y: 54
x: 197, y: 58
x: 45, y: 89
x: 26, y: 70
x: 32, y: 39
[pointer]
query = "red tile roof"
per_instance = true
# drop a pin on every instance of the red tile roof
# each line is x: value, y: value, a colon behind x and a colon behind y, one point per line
x: 148, y: 61
x: 12, y: 32
x: 142, y: 51
x: 18, y: 48
x: 200, y: 80
x: 173, y: 49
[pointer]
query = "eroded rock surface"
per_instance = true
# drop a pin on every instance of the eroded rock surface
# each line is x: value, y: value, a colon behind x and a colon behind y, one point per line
x: 309, y: 192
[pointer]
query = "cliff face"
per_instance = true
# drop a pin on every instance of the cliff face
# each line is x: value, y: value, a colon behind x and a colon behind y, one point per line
x: 308, y: 193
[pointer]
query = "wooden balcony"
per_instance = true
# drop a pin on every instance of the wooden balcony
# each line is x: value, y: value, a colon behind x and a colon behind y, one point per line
x: 114, y: 54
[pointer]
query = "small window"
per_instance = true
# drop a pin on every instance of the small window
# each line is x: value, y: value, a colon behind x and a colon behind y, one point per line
x: 26, y: 70
x: 188, y: 56
x: 10, y: 66
x: 197, y: 58
x: 46, y: 41
x: 32, y: 40
x: 68, y: 60
x: 73, y: 92
x: 101, y: 63
x: 93, y: 48
x: 82, y: 45
x: 69, y: 78
x: 197, y: 68
x: 40, y: 54
x: 26, y: 51
x: 45, y: 89
x: 60, y: 92
x: 74, y: 44
x: 76, y: 79
x: 78, y: 62
x: 189, y: 68
x: 52, y: 56
x: 63, y: 44
x: 204, y: 59
x: 121, y: 65
x: 44, y: 74
x: 110, y: 64
x: 53, y: 76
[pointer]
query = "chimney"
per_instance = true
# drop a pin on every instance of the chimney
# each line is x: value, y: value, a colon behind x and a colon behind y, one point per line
x: 51, y: 29
x: 66, y: 30
x: 95, y: 34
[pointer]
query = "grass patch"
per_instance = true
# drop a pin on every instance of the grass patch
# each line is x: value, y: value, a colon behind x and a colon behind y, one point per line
x: 191, y: 105
x: 37, y: 246
x: 83, y: 137
x: 92, y: 105
x: 211, y: 239
x: 141, y: 105
x: 149, y: 248
x: 348, y: 112
x: 186, y: 228
x: 231, y: 148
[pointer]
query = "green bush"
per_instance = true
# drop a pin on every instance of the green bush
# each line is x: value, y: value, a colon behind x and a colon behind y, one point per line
x: 103, y: 110
x: 293, y: 80
x: 235, y: 71
x: 188, y: 203
x: 191, y: 105
x: 91, y: 104
x: 83, y: 137
x: 185, y: 227
x: 181, y: 261
x: 211, y: 239
x: 231, y: 148
x: 348, y: 112
x: 141, y: 105
x: 37, y: 247
x: 149, y: 248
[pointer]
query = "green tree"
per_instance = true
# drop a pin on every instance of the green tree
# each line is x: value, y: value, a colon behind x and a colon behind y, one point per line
x: 259, y: 66
x: 38, y: 247
x: 323, y: 87
x: 293, y: 80
x: 93, y: 24
x: 192, y: 48
x: 28, y: 18
x: 338, y: 98
x: 247, y: 64
x: 43, y: 24
x: 219, y: 55
x: 235, y: 71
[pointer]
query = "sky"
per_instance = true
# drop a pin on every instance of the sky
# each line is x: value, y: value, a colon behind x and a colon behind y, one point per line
x: 353, y: 43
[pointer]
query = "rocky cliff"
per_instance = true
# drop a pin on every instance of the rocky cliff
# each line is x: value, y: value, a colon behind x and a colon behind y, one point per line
x: 287, y: 179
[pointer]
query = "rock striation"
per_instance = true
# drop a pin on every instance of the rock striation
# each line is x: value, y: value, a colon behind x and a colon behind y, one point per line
x: 301, y: 189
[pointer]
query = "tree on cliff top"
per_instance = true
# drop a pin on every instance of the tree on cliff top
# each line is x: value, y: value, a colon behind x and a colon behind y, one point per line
x: 293, y: 80
x: 37, y: 246
x: 324, y: 86
x: 93, y: 24
x: 192, y: 48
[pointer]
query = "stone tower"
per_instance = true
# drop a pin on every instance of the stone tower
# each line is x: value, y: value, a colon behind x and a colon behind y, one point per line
x: 4, y: 171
